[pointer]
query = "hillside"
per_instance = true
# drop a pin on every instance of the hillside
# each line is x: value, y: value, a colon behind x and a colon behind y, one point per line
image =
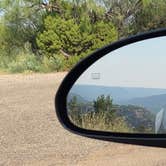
x: 154, y: 103
x: 80, y: 99
x: 139, y: 118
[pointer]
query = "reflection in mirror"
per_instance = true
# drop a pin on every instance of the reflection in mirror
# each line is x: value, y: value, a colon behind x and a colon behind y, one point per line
x: 124, y: 91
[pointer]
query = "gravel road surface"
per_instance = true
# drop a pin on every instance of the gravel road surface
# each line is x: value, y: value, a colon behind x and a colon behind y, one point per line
x: 31, y: 135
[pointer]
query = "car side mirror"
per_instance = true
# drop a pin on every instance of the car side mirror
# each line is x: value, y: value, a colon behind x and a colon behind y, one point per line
x: 119, y: 92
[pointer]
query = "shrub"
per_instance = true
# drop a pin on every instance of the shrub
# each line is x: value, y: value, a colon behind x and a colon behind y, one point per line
x: 4, y: 61
x: 97, y: 121
x: 72, y: 61
x: 23, y: 63
x: 54, y: 63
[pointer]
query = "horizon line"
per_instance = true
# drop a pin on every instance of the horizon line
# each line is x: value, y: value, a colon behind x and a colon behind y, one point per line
x: 122, y: 86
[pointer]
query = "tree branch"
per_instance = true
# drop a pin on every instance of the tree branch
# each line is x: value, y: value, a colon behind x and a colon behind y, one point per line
x: 65, y: 54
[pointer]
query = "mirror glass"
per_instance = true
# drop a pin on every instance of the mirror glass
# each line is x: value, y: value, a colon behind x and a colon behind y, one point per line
x: 124, y: 91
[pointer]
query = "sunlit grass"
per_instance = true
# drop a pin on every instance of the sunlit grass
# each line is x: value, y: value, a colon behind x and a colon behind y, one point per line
x: 100, y: 121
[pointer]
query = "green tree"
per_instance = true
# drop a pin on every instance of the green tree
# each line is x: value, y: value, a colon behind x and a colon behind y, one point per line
x: 152, y: 16
x: 68, y: 38
x: 21, y: 20
x: 74, y: 111
x: 103, y: 34
x: 103, y: 104
x: 65, y: 31
x: 62, y: 36
x: 122, y: 14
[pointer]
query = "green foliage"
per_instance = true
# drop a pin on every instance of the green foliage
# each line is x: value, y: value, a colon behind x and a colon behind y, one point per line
x: 71, y: 62
x: 75, y: 113
x: 24, y: 63
x: 102, y: 114
x: 54, y: 63
x: 101, y: 118
x: 103, y: 34
x: 61, y: 32
x: 28, y: 62
x: 103, y: 104
x: 135, y: 16
x: 153, y: 17
x: 21, y: 20
x: 4, y: 61
x: 70, y: 39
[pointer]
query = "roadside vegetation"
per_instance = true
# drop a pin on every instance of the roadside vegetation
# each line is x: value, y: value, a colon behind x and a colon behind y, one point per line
x: 102, y: 114
x: 50, y: 36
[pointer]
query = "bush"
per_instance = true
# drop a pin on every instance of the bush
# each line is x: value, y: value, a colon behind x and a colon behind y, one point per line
x: 24, y: 63
x: 54, y: 63
x: 4, y: 61
x: 28, y: 62
x: 70, y: 37
x: 72, y: 61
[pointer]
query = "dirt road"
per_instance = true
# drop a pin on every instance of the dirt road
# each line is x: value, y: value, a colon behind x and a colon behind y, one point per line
x: 31, y: 135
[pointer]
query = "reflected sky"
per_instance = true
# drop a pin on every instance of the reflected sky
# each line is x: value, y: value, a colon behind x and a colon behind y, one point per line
x: 142, y: 64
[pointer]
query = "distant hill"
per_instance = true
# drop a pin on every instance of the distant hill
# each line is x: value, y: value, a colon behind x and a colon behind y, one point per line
x: 120, y: 95
x: 154, y: 103
x: 139, y: 118
x: 80, y: 99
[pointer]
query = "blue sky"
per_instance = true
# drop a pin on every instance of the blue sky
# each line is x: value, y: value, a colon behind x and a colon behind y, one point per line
x: 142, y: 64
